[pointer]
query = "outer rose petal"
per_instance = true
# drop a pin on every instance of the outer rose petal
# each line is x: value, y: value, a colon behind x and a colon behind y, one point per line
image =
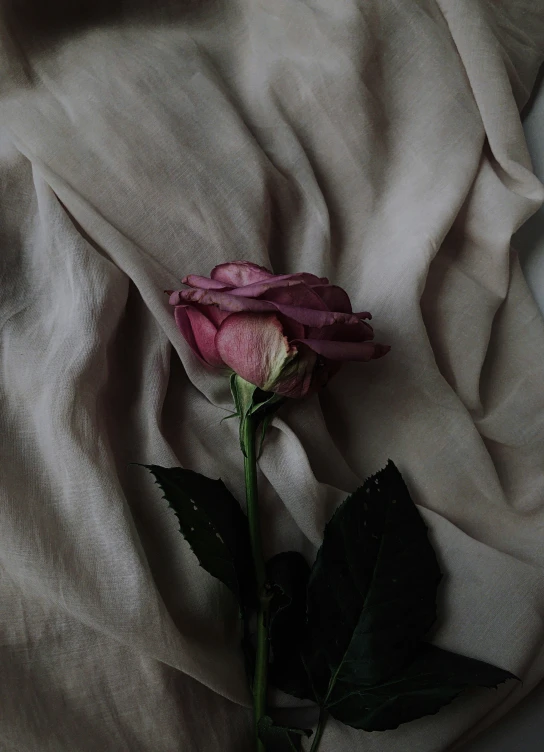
x: 240, y: 273
x: 184, y: 325
x: 299, y: 295
x: 334, y: 298
x: 200, y: 333
x: 342, y: 351
x: 214, y: 314
x: 243, y: 273
x: 205, y: 332
x: 237, y: 304
x: 292, y: 329
x: 298, y: 380
x: 255, y: 347
x: 195, y: 280
x: 360, y: 332
x: 291, y: 283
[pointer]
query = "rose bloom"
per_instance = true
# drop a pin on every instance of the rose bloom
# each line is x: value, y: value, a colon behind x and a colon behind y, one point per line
x: 285, y: 333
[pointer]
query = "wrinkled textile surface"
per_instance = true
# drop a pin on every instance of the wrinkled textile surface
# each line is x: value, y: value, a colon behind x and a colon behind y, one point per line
x: 375, y: 142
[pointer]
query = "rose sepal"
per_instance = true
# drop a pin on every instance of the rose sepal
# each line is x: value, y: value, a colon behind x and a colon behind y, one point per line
x: 252, y: 403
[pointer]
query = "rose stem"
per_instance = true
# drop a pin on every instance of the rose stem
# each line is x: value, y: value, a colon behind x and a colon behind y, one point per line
x: 323, y: 716
x: 261, y: 658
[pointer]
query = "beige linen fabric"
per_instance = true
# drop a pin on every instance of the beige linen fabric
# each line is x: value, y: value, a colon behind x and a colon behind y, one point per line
x: 377, y: 142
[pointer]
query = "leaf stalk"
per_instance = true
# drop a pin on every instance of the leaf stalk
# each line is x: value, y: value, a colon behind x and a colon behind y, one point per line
x: 323, y: 717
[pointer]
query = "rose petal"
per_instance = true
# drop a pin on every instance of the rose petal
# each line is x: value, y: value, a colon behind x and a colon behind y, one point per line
x: 334, y: 298
x: 213, y: 313
x: 283, y: 281
x: 237, y: 304
x: 255, y: 347
x: 311, y: 317
x: 184, y: 325
x: 205, y: 332
x: 292, y: 329
x: 381, y: 350
x: 342, y: 351
x: 294, y: 294
x: 200, y: 333
x: 240, y: 273
x: 175, y: 298
x: 195, y: 280
x: 297, y: 379
x: 360, y: 332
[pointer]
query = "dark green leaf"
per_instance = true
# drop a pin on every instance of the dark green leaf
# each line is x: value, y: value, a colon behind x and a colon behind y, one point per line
x: 372, y: 591
x: 287, y: 576
x: 280, y: 738
x: 433, y: 679
x: 214, y: 525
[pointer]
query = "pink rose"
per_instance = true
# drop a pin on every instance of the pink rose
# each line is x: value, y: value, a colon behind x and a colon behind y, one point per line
x: 285, y: 333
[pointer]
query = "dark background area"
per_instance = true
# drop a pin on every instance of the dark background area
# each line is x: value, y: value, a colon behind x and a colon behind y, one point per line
x: 32, y: 20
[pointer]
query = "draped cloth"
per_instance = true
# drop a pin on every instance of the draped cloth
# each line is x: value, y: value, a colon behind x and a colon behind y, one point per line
x: 374, y: 142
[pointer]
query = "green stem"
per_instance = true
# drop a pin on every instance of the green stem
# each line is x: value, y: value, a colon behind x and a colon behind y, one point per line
x: 248, y: 434
x: 323, y: 717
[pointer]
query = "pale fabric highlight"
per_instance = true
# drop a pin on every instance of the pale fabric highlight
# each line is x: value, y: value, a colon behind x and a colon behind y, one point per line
x: 377, y: 143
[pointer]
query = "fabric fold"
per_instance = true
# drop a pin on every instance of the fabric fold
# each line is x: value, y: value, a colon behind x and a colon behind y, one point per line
x: 375, y: 144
